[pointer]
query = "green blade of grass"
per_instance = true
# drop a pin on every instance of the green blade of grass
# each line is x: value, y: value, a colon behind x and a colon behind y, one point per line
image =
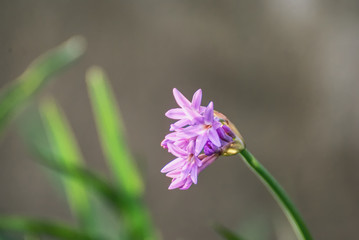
x: 111, y: 133
x: 134, y: 214
x: 84, y: 176
x: 105, y: 200
x: 136, y: 225
x: 42, y: 227
x: 64, y: 148
x: 104, y: 194
x: 110, y: 129
x: 36, y: 75
x: 226, y: 233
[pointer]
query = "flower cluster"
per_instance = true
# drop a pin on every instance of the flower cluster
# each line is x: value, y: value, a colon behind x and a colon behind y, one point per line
x: 198, y: 137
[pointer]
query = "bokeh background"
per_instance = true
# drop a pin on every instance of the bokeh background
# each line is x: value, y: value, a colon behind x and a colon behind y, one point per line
x: 285, y: 72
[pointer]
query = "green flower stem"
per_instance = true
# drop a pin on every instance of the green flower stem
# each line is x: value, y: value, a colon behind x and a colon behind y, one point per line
x: 279, y: 194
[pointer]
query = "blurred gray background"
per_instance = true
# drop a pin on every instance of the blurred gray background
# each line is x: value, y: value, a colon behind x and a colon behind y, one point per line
x: 284, y: 71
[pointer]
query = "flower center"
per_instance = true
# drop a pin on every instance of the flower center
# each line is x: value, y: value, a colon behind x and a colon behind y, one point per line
x: 190, y: 158
x: 206, y: 127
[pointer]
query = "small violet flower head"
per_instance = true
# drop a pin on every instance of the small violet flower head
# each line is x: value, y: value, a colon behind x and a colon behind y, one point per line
x: 198, y: 137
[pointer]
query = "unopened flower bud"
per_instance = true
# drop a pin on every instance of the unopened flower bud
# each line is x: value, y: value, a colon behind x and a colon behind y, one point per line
x: 237, y: 144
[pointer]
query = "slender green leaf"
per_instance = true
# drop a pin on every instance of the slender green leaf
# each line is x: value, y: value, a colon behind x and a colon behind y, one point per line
x: 42, y: 227
x: 64, y: 148
x: 111, y: 132
x: 103, y: 194
x: 133, y: 212
x: 226, y: 233
x: 105, y: 200
x: 279, y: 194
x: 36, y: 75
x: 84, y: 176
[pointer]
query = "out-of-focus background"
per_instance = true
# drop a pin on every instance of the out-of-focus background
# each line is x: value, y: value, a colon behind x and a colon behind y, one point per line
x: 285, y: 72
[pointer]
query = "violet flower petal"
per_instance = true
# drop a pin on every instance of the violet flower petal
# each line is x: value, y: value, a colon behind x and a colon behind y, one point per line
x: 210, y: 148
x: 198, y: 161
x: 182, y: 143
x: 208, y: 114
x: 194, y: 174
x: 192, y: 114
x: 172, y: 136
x: 176, y: 183
x: 191, y: 131
x: 191, y: 147
x: 208, y: 160
x: 186, y: 169
x: 174, y: 174
x: 178, y: 152
x: 222, y: 135
x: 187, y: 184
x: 200, y: 142
x: 213, y: 136
x: 181, y: 100
x: 175, y: 113
x: 197, y: 99
x: 179, y: 124
x: 228, y: 131
x: 177, y: 163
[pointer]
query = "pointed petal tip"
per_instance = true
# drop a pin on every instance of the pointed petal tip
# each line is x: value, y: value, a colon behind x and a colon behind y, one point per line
x: 181, y: 100
x: 198, y: 92
x: 194, y: 174
x: 194, y: 179
x: 200, y: 142
x: 176, y: 92
x: 197, y: 99
x: 176, y: 163
x: 176, y: 183
x: 175, y: 113
x: 208, y: 114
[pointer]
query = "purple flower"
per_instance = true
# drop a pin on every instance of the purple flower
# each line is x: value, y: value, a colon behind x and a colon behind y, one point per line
x: 198, y: 137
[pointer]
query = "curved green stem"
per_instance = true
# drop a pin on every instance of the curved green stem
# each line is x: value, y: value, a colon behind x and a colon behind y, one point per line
x: 279, y: 194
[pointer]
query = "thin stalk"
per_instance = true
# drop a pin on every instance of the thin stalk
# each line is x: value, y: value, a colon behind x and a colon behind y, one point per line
x: 279, y: 194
